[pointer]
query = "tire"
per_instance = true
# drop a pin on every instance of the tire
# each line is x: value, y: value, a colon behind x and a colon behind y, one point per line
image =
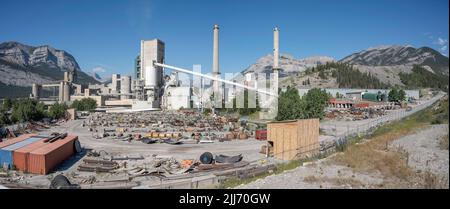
x: 59, y: 181
x: 77, y: 146
x: 206, y: 158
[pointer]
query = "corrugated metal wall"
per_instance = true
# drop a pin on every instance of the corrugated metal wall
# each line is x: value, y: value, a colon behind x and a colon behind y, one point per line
x: 29, y: 153
x: 44, y: 159
x: 6, y: 153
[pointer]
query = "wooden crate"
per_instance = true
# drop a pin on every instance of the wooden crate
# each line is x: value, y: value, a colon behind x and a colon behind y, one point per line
x: 294, y: 139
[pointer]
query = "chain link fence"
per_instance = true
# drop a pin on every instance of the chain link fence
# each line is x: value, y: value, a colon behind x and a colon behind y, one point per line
x: 371, y: 125
x: 360, y: 130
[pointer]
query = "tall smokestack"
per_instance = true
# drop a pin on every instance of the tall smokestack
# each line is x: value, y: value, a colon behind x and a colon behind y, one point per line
x: 216, y: 50
x: 215, y: 70
x: 276, y: 48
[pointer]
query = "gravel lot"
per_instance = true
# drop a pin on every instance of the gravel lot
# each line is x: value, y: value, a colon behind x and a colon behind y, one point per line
x: 424, y: 151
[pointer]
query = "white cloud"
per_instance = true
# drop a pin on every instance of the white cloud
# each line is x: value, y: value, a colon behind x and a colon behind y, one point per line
x: 442, y: 41
x: 99, y: 70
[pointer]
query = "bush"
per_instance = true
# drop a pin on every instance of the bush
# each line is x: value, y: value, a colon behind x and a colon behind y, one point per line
x: 315, y: 102
x: 57, y: 111
x: 7, y: 104
x: 292, y: 107
x: 85, y: 104
x: 4, y: 119
x: 396, y: 95
x: 27, y: 110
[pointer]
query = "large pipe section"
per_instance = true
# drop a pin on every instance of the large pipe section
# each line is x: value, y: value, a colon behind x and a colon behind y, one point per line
x: 214, y: 78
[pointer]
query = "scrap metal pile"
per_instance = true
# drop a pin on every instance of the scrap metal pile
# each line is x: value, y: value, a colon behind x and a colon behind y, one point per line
x: 139, y: 165
x: 353, y: 114
x: 171, y: 127
x: 106, y: 167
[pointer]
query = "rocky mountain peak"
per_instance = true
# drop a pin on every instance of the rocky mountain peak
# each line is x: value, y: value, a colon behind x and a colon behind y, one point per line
x: 22, y: 65
x: 395, y: 55
x: 26, y: 56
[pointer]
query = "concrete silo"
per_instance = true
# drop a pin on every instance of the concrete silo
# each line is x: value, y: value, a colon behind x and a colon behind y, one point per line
x: 152, y: 51
x: 125, y: 87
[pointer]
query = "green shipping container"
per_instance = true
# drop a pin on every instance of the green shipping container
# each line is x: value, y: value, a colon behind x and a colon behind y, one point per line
x: 370, y: 97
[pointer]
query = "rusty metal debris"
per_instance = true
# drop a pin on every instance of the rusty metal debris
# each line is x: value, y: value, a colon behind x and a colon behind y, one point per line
x: 228, y: 159
x: 353, y: 114
x: 97, y: 165
x: 166, y: 127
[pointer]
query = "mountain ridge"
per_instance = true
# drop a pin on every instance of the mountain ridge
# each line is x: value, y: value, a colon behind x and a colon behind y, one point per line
x: 395, y: 55
x: 22, y: 65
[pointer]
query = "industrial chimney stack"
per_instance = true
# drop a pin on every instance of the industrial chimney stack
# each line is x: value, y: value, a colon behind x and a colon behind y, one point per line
x: 276, y: 57
x: 276, y: 49
x: 215, y: 71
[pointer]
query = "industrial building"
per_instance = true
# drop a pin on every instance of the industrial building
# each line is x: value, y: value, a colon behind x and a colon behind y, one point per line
x: 357, y: 94
x: 149, y: 88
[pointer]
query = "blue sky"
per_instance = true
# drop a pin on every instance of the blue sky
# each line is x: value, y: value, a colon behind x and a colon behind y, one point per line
x: 105, y: 34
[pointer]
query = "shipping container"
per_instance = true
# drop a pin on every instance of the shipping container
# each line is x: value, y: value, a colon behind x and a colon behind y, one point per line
x: 46, y: 158
x: 6, y: 153
x: 21, y: 156
x: 371, y: 97
x: 362, y: 105
x: 20, y: 138
x: 261, y: 134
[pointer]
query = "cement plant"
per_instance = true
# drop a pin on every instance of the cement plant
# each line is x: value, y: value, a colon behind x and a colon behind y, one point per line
x: 325, y: 126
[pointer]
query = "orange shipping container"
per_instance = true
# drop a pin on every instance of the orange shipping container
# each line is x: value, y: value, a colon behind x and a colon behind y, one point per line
x: 20, y: 138
x: 21, y: 155
x: 46, y: 158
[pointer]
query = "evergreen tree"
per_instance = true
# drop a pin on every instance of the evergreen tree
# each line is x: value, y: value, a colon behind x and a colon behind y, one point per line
x: 401, y: 95
x: 422, y: 78
x: 7, y: 104
x: 85, y: 104
x: 393, y: 95
x: 292, y: 107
